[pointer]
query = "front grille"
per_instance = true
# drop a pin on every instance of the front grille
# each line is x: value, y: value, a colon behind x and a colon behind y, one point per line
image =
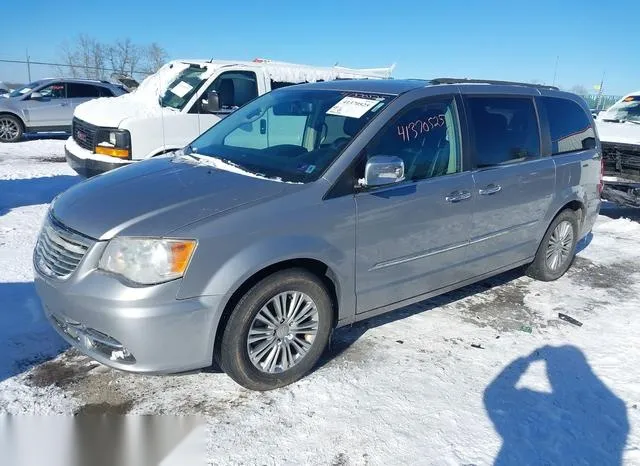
x: 84, y: 134
x: 621, y: 160
x: 59, y: 250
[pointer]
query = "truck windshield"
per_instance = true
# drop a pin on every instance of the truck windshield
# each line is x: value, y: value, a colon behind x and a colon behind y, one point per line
x: 626, y: 110
x: 291, y: 134
x: 184, y: 86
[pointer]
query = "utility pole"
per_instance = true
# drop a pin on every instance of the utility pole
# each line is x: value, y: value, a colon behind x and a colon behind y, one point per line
x: 555, y: 70
x: 28, y: 66
x: 599, y: 97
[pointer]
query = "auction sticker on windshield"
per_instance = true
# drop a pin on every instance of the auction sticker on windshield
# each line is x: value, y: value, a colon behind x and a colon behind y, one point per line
x: 352, y: 107
x: 181, y: 88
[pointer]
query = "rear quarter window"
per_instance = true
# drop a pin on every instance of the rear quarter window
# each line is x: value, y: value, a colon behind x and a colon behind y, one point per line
x: 569, y: 125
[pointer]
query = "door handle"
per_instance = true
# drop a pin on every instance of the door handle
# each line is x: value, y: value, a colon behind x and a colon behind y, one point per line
x: 491, y: 189
x: 64, y: 104
x: 458, y: 196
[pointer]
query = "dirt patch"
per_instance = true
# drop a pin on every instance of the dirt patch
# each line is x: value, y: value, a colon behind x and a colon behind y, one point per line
x: 105, y: 408
x: 50, y: 159
x: 61, y: 372
x: 502, y: 308
x: 90, y: 382
x: 617, y: 278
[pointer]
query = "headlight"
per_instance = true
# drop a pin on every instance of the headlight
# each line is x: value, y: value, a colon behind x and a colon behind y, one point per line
x: 114, y: 142
x: 146, y: 260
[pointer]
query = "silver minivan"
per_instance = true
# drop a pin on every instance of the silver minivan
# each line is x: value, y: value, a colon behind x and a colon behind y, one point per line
x: 310, y: 208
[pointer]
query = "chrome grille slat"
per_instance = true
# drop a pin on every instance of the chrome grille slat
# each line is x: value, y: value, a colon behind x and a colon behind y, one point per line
x: 51, y: 262
x: 58, y: 248
x: 67, y: 245
x: 59, y: 251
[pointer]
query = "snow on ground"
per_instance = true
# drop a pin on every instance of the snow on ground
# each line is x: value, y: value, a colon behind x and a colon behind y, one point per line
x: 486, y: 374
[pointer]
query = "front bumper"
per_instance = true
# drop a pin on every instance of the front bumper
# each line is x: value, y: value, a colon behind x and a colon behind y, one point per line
x: 137, y: 329
x: 86, y: 163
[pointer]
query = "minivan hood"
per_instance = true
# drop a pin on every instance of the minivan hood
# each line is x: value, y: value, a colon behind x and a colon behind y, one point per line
x: 624, y: 133
x: 157, y: 196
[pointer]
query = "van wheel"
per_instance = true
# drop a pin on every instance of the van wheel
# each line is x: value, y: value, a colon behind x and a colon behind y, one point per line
x: 557, y: 249
x: 277, y: 331
x: 11, y: 128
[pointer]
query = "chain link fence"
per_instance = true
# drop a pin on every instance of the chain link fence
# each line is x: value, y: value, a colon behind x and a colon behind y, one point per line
x: 601, y: 102
x: 32, y: 70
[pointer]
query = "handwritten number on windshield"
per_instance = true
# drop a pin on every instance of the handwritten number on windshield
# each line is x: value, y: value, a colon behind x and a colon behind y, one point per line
x: 416, y: 128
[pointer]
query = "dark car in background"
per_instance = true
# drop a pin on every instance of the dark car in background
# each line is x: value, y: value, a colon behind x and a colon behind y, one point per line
x: 47, y: 105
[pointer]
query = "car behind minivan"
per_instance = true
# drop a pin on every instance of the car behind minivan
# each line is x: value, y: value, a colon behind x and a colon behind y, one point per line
x: 310, y: 208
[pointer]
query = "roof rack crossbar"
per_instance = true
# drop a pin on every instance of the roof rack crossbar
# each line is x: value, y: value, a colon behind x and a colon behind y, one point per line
x: 489, y: 81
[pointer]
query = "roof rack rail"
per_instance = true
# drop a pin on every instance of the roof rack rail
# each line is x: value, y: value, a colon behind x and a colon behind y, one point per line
x: 489, y: 81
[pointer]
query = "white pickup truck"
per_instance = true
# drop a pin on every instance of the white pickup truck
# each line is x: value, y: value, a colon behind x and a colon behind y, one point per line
x: 170, y: 108
x: 619, y: 132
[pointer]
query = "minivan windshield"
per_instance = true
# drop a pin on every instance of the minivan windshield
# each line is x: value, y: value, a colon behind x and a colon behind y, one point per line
x: 626, y: 110
x: 181, y: 89
x: 290, y: 134
x: 25, y: 89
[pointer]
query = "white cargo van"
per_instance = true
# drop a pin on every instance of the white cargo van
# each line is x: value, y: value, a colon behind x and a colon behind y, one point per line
x: 171, y: 108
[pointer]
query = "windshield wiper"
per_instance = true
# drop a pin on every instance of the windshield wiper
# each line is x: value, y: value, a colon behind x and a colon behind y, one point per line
x: 632, y: 121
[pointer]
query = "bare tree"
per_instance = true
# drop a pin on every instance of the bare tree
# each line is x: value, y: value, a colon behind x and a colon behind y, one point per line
x: 86, y: 57
x: 155, y: 57
x: 124, y: 57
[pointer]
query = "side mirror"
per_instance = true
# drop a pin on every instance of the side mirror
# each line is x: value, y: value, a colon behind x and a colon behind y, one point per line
x: 213, y: 102
x: 383, y: 170
x: 36, y: 96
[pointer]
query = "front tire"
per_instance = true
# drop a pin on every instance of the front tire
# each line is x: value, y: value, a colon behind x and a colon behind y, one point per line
x: 11, y: 128
x: 557, y: 248
x: 277, y: 331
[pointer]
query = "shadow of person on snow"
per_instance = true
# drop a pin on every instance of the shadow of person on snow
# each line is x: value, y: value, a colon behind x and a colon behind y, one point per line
x: 580, y: 422
x: 26, y: 337
x: 32, y: 191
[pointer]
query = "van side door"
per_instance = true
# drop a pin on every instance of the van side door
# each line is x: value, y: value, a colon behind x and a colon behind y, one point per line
x: 513, y: 182
x: 412, y: 236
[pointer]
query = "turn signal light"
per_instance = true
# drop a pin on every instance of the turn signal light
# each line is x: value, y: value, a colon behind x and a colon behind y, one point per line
x: 119, y: 153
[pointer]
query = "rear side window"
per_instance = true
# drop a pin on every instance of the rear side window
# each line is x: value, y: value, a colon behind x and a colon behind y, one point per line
x: 569, y: 125
x: 505, y: 130
x: 104, y: 92
x: 78, y: 90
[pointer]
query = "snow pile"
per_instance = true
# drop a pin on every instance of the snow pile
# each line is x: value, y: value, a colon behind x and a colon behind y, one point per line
x: 293, y: 73
x: 143, y: 102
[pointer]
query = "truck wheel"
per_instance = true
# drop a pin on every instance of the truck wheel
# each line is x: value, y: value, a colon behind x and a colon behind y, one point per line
x: 277, y: 331
x: 11, y: 128
x: 557, y: 249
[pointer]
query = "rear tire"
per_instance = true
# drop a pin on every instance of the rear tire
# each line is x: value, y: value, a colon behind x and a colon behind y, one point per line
x: 11, y: 128
x: 557, y: 248
x: 268, y: 342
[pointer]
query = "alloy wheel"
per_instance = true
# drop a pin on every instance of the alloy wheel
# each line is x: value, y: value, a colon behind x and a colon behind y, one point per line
x: 559, y: 247
x: 9, y: 129
x: 282, y: 332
